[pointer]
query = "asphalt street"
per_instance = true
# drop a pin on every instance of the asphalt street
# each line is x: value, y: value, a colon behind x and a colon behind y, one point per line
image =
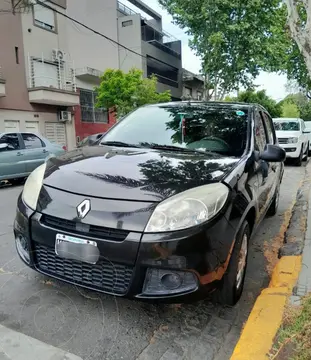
x: 95, y: 326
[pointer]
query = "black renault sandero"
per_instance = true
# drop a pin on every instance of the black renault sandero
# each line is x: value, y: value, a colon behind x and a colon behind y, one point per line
x: 163, y: 208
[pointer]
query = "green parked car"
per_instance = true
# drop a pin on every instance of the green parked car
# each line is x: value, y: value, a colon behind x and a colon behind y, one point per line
x: 21, y: 153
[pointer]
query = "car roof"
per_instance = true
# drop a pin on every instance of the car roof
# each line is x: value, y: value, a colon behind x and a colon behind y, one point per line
x: 209, y: 103
x: 287, y: 119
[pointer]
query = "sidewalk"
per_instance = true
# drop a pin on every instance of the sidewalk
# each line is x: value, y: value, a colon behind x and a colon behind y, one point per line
x: 290, y: 280
x: 17, y: 346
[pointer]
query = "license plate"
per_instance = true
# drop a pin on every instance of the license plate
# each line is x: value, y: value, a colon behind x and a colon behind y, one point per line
x: 74, y: 248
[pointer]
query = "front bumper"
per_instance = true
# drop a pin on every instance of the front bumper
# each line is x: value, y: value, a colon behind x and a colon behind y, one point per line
x: 134, y: 266
x: 292, y: 150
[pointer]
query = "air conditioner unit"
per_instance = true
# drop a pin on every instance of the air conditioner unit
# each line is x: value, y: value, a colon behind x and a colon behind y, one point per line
x: 58, y: 55
x: 65, y: 116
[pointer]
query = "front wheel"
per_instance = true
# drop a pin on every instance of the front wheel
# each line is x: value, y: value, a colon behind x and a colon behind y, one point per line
x: 305, y: 155
x: 232, y: 283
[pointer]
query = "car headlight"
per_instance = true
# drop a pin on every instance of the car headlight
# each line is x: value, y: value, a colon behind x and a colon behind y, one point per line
x: 33, y: 186
x: 189, y: 208
x: 292, y: 140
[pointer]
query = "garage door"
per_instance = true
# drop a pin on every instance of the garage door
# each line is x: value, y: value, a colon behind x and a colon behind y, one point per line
x: 11, y: 126
x: 32, y: 126
x: 56, y: 132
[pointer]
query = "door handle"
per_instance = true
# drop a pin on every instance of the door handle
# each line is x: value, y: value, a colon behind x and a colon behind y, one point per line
x: 19, y: 154
x: 45, y: 151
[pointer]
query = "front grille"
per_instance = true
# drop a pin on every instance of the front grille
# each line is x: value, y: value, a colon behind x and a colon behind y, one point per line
x: 105, y: 276
x: 84, y: 229
x: 282, y: 140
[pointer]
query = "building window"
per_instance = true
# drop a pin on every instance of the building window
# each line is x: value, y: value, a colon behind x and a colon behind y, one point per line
x: 89, y: 113
x: 127, y: 23
x: 200, y: 95
x: 44, y: 18
x: 45, y: 74
x: 188, y: 91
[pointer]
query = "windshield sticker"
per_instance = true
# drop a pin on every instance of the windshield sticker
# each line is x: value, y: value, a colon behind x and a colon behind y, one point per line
x: 240, y: 113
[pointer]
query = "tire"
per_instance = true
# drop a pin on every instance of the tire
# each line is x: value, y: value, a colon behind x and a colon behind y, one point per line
x: 18, y: 181
x: 230, y: 290
x: 305, y: 155
x: 275, y: 203
x: 298, y: 161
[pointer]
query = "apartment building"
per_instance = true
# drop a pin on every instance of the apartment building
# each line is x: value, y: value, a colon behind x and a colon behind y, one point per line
x: 193, y: 86
x: 50, y: 65
x: 157, y: 51
x: 37, y: 86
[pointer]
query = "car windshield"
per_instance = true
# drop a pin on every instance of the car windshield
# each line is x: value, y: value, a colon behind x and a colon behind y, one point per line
x: 287, y: 125
x: 218, y: 128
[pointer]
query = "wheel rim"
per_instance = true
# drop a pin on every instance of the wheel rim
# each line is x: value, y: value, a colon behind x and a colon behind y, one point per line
x: 242, y: 262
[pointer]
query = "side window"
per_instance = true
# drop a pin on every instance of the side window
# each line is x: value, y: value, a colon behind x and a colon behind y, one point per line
x: 12, y: 140
x: 260, y: 133
x: 303, y: 126
x: 269, y: 127
x: 32, y: 141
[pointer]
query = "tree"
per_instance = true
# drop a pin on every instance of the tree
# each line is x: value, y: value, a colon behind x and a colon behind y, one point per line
x: 261, y: 98
x: 290, y: 110
x: 233, y: 38
x: 299, y: 25
x: 301, y: 102
x: 126, y: 91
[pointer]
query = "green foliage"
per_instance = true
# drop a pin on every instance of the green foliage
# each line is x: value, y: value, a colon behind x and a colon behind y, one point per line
x: 301, y: 102
x: 290, y: 110
x: 234, y: 39
x: 261, y: 98
x: 126, y: 91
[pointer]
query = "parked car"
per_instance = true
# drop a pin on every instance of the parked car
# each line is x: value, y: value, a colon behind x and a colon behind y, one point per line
x: 163, y: 208
x: 308, y: 131
x: 293, y: 138
x: 90, y: 140
x: 21, y: 153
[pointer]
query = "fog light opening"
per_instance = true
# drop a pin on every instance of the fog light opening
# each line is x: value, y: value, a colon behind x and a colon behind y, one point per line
x: 22, y: 247
x: 171, y: 281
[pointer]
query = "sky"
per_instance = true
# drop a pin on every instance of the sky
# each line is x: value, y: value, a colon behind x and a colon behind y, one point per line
x: 273, y: 83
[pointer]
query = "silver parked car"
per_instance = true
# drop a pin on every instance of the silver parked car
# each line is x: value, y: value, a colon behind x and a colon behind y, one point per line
x: 21, y: 153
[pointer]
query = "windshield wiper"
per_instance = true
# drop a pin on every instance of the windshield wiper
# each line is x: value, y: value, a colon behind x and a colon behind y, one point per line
x: 170, y: 147
x: 119, y: 144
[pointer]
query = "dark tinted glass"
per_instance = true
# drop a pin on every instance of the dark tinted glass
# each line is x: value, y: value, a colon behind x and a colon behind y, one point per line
x: 32, y: 141
x: 12, y: 140
x: 217, y: 128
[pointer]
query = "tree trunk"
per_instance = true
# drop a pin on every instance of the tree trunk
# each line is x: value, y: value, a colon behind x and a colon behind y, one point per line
x: 300, y: 34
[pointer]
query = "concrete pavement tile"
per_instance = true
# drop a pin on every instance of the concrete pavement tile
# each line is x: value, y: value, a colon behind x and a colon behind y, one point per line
x: 17, y: 346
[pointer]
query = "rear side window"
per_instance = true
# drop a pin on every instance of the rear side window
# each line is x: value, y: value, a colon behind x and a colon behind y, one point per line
x: 12, y: 140
x: 260, y: 133
x: 269, y: 127
x: 32, y: 141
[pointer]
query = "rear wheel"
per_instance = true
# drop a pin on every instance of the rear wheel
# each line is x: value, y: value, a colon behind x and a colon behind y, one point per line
x: 275, y: 203
x: 232, y: 283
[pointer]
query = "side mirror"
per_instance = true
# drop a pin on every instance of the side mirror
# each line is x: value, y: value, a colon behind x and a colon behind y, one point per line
x: 3, y: 146
x: 273, y: 153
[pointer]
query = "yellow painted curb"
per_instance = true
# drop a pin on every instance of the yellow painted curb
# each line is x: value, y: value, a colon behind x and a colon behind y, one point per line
x: 266, y: 316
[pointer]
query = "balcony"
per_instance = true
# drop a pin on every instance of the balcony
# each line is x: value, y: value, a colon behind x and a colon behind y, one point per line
x: 52, y: 82
x: 2, y: 85
x: 89, y: 74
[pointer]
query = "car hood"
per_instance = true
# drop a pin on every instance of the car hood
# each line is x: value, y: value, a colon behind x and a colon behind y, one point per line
x: 133, y: 174
x: 287, y: 134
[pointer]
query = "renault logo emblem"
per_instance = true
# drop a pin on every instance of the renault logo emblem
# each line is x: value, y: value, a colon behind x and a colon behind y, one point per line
x: 84, y: 208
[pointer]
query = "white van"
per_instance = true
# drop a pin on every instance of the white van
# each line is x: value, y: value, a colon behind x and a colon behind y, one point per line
x: 293, y: 137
